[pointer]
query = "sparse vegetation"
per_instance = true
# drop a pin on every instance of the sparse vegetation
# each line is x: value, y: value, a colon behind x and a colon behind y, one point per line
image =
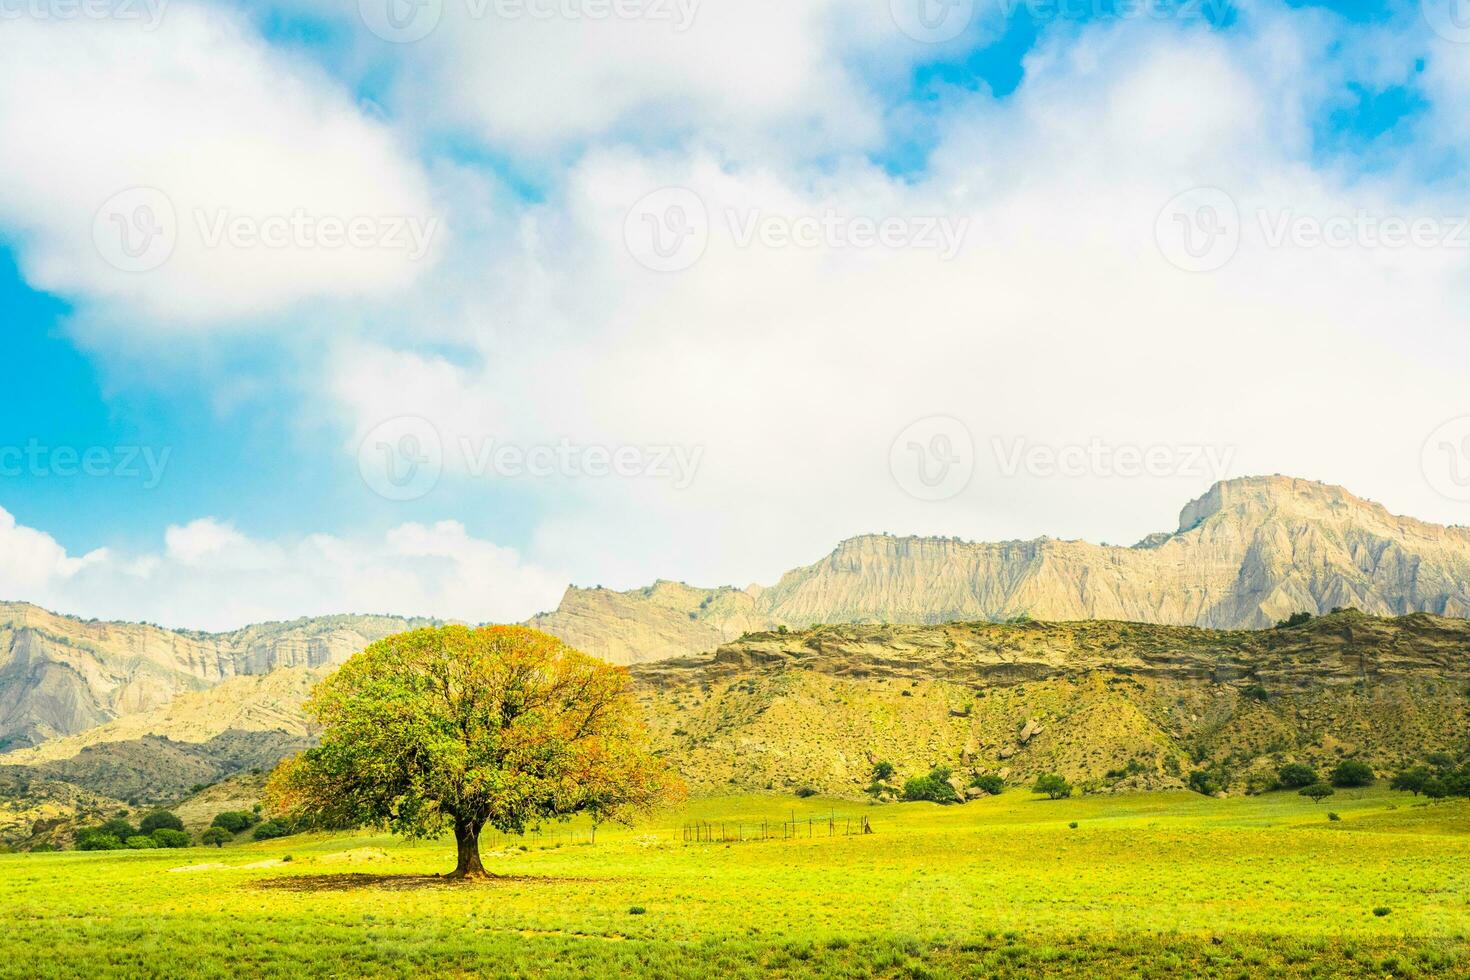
x: 1053, y: 785
x: 1317, y: 792
x: 1351, y: 773
x: 934, y: 788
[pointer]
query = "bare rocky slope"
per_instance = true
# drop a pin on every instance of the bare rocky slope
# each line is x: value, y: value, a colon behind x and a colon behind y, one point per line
x: 60, y: 675
x: 1248, y: 553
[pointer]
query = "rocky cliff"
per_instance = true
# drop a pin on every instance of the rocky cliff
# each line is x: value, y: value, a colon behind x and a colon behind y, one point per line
x: 60, y: 675
x: 1248, y: 553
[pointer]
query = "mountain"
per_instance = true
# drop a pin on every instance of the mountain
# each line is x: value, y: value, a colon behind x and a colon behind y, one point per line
x: 60, y: 675
x: 1109, y: 705
x: 1248, y: 553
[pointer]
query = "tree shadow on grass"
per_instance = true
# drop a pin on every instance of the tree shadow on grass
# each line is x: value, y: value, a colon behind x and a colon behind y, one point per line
x: 360, y: 881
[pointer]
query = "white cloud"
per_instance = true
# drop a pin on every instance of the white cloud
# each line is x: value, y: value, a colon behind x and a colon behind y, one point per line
x: 228, y: 139
x: 211, y: 576
x: 1060, y: 323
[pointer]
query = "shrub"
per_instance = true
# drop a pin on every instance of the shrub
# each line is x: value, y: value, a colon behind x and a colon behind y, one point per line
x: 1435, y: 789
x: 168, y: 837
x: 1209, y: 781
x: 1053, y: 785
x: 118, y: 828
x: 1317, y: 792
x: 95, y: 841
x: 218, y: 836
x: 1332, y: 816
x: 805, y: 792
x: 1073, y: 825
x: 934, y: 787
x: 235, y: 820
x: 1350, y: 773
x: 991, y: 784
x: 1295, y: 775
x: 270, y: 830
x: 1382, y: 910
x: 1441, y: 761
x: 160, y: 820
x: 882, y: 771
x: 140, y: 843
x: 1295, y: 619
x: 1411, y: 780
x: 636, y: 910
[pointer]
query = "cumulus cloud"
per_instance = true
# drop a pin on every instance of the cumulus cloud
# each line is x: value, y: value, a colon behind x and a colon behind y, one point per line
x: 1066, y: 318
x: 192, y: 174
x: 209, y: 575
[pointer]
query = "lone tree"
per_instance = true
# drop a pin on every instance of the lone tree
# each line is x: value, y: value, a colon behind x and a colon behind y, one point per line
x: 1317, y: 792
x: 456, y: 727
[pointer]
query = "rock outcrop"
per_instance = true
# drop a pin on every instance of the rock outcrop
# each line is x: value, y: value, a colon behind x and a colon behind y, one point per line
x: 1248, y: 553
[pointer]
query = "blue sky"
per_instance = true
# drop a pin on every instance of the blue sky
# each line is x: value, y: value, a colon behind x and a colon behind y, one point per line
x: 758, y: 390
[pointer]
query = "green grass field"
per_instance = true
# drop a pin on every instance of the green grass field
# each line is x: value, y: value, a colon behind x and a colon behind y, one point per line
x: 1164, y: 885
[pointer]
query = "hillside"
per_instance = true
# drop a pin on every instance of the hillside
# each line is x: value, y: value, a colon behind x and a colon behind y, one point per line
x: 1147, y: 704
x: 1248, y: 553
x: 60, y: 675
x: 1110, y: 705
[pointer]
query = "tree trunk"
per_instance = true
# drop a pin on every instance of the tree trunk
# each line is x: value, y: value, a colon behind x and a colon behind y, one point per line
x: 467, y: 837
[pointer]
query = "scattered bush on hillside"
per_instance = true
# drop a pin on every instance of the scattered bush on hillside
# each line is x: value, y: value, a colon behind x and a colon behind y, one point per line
x: 805, y: 792
x: 1352, y: 773
x: 1296, y: 775
x: 118, y: 828
x: 168, y: 837
x: 216, y: 836
x: 882, y: 771
x: 235, y: 820
x: 140, y: 843
x: 271, y: 829
x: 1295, y: 619
x: 1435, y: 789
x: 1411, y: 780
x: 934, y: 787
x: 1317, y: 792
x: 1215, y: 779
x: 160, y: 820
x: 990, y: 783
x: 1053, y: 785
x: 95, y: 841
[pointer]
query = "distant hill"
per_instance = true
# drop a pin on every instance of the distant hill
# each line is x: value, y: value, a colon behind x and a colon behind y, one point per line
x: 60, y: 675
x: 1248, y: 553
x: 1110, y: 705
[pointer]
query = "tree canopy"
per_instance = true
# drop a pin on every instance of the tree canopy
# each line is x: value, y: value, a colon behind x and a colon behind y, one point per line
x: 461, y: 728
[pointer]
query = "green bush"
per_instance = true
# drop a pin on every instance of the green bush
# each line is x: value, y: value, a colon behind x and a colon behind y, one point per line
x: 1317, y: 792
x: 934, y: 787
x: 119, y: 828
x: 235, y: 820
x: 168, y: 837
x: 1411, y: 780
x: 160, y: 820
x: 1352, y: 773
x: 1053, y: 785
x: 1435, y: 789
x: 882, y: 771
x: 1215, y: 779
x: 270, y: 830
x: 806, y: 792
x: 1295, y: 619
x: 1295, y: 775
x: 96, y: 841
x: 991, y: 784
x: 216, y: 836
x: 140, y: 843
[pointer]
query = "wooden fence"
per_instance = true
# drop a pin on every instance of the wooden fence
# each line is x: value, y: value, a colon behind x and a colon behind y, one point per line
x: 740, y: 831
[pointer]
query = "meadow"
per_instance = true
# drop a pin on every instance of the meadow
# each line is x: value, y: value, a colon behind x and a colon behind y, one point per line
x: 1164, y: 885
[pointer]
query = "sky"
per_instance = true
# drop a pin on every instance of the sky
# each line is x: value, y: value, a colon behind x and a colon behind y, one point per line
x: 434, y: 307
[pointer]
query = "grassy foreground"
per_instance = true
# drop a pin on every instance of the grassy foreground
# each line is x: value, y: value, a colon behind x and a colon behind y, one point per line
x: 1162, y: 884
